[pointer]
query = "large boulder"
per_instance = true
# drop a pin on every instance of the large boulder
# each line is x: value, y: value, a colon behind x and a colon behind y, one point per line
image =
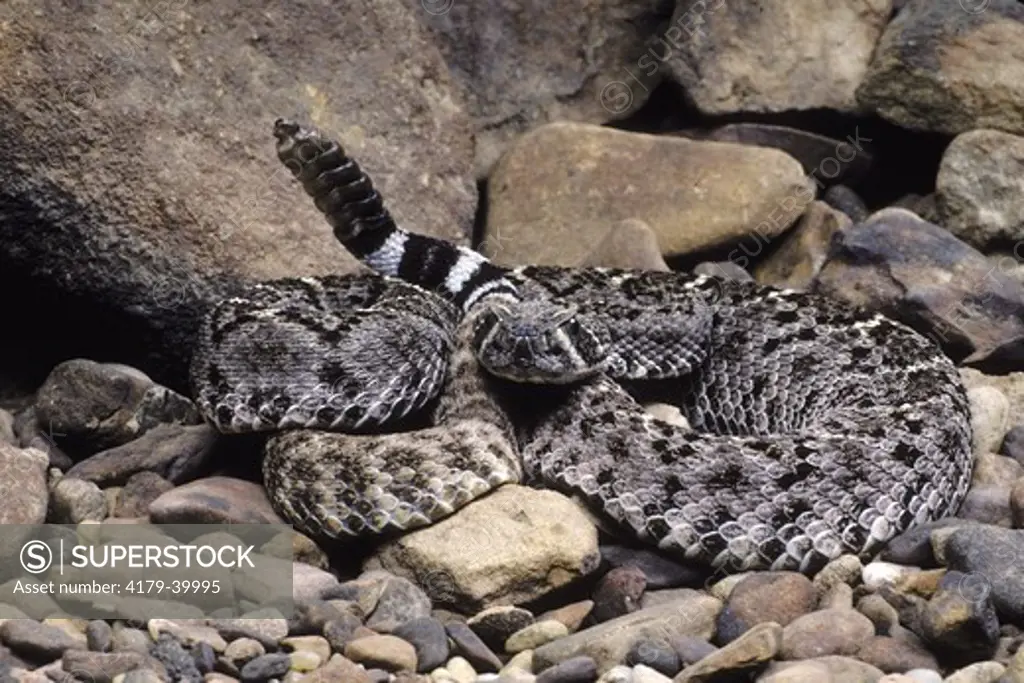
x: 138, y: 178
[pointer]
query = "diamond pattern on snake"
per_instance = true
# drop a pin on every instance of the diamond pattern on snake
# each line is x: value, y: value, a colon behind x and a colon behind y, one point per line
x: 815, y: 429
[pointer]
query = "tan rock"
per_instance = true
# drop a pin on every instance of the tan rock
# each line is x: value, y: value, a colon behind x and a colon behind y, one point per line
x: 508, y: 547
x: 561, y: 188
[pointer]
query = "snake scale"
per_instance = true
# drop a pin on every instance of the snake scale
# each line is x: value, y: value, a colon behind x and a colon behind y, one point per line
x: 814, y: 429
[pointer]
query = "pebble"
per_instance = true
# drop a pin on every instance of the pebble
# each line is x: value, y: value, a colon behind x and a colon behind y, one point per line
x: 659, y: 571
x: 99, y: 636
x: 400, y: 601
x: 752, y: 650
x: 826, y: 632
x: 645, y: 674
x: 468, y: 644
x: 102, y: 666
x: 241, y: 650
x: 573, y: 670
x: 318, y: 645
x: 989, y: 556
x: 265, y: 667
x: 573, y: 614
x: 609, y: 642
x: 339, y: 632
x: 38, y: 641
x: 461, y: 670
x: 495, y: 624
x: 656, y: 654
x: 980, y: 672
x: 959, y: 625
x: 177, y: 661
x: 428, y: 638
x: 214, y: 500
x: 75, y: 500
x: 385, y: 651
x: 895, y: 654
x: 618, y: 593
x: 23, y: 485
x: 779, y: 597
x: 535, y: 635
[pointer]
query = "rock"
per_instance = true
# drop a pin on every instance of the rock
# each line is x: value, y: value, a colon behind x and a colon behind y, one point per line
x: 7, y: 428
x: 535, y: 635
x: 826, y: 159
x: 931, y: 68
x: 657, y: 654
x: 179, y: 662
x: 925, y: 277
x: 93, y: 406
x: 338, y: 668
x: 833, y: 669
x: 575, y: 670
x: 23, y: 485
x: 242, y: 650
x: 537, y: 76
x: 214, y: 500
x: 826, y: 632
x: 979, y: 188
x: 1017, y: 503
x: 1013, y: 443
x: 103, y: 667
x: 771, y: 57
x: 511, y: 546
x: 138, y: 493
x: 311, y: 584
x: 563, y: 186
x: 495, y: 624
x: 461, y: 670
x: 187, y: 634
x: 618, y: 593
x: 920, y: 676
x: 779, y: 597
x: 75, y: 500
x: 645, y: 674
x: 690, y: 649
x: 428, y: 638
x: 259, y: 625
x: 659, y: 570
x: 803, y: 250
x: 981, y: 672
x: 468, y: 644
x: 988, y: 556
x: 751, y: 651
x: 385, y: 651
x: 125, y: 639
x: 914, y: 546
x: 340, y: 631
x: 185, y: 218
x: 176, y: 452
x: 400, y: 601
x: 608, y: 643
x: 631, y: 244
x: 844, y: 199
x: 988, y: 500
x: 990, y: 411
x: 960, y: 626
x: 99, y: 636
x: 726, y: 270
x: 844, y: 569
x: 572, y: 615
x: 895, y: 655
x: 39, y: 641
x: 265, y: 667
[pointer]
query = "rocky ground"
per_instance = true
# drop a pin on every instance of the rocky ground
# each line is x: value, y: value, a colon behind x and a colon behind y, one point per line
x: 869, y: 150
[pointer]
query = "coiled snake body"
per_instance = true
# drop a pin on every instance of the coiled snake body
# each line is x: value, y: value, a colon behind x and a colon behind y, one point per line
x: 815, y: 430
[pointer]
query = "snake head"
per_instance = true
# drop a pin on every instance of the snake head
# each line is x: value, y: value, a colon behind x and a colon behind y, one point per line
x: 536, y: 342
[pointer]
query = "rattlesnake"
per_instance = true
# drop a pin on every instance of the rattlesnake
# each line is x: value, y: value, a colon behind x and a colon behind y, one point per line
x: 815, y: 430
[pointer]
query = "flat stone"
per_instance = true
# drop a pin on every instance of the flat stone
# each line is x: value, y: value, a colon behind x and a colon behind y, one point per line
x: 752, y: 650
x: 384, y: 651
x: 177, y: 453
x: 535, y: 635
x: 39, y: 641
x: 826, y: 632
x: 214, y: 500
x: 428, y: 638
x: 608, y: 643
